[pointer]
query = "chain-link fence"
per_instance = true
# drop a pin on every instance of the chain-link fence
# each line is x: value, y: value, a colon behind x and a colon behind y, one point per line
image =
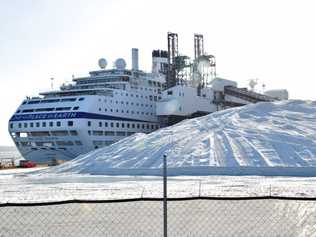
x: 144, y: 217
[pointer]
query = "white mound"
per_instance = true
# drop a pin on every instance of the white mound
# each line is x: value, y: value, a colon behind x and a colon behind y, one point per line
x: 280, y: 134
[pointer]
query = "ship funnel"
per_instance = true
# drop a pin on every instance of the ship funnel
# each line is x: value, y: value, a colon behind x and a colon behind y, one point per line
x: 135, y: 59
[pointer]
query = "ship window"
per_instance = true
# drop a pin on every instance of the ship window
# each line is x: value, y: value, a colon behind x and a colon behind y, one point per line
x: 51, y: 124
x: 43, y: 124
x: 105, y: 110
x: 169, y: 92
x: 97, y: 133
x: 34, y: 102
x: 108, y: 133
x: 76, y: 108
x: 100, y: 124
x: 63, y: 108
x: 138, y: 126
x: 120, y: 133
x: 44, y: 109
x: 81, y: 99
x: 68, y: 99
x: 143, y: 126
x: 18, y: 111
x: 59, y: 133
x: 107, y: 143
x: 99, y: 109
x: 64, y: 143
x: 73, y: 133
x: 49, y: 101
x: 152, y: 126
x: 112, y: 125
x: 58, y: 124
x: 89, y: 123
x: 78, y: 143
x: 117, y: 125
x: 133, y: 125
x: 147, y: 126
x: 89, y: 132
x: 70, y: 123
x: 39, y: 134
x: 37, y: 124
x: 20, y: 125
x: 11, y: 125
x: 123, y: 125
x: 27, y: 110
x: 105, y: 124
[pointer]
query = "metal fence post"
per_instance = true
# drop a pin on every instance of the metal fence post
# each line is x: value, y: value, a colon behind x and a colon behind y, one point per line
x: 165, y: 215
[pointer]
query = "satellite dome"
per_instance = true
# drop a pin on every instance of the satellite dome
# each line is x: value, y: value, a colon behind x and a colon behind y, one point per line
x: 102, y: 63
x: 120, y: 63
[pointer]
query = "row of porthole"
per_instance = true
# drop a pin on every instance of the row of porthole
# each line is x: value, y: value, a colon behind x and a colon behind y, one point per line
x: 41, y: 124
x: 127, y: 111
x: 126, y: 125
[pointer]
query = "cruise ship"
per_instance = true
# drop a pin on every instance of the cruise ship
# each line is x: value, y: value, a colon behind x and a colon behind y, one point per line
x: 111, y: 104
x: 91, y: 112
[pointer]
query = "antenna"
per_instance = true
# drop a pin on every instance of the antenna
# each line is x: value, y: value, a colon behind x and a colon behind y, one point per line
x: 52, y: 82
x: 253, y: 83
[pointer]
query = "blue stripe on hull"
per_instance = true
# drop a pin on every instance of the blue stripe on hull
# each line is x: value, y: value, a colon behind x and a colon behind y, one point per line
x: 69, y: 115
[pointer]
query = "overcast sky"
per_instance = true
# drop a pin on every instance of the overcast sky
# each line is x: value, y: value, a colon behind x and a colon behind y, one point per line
x: 274, y: 41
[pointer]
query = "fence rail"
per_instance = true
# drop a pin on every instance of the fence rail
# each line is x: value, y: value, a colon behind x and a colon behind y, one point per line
x: 196, y: 216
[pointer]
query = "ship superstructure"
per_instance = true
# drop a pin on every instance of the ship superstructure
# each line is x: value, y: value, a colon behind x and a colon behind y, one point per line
x: 91, y: 112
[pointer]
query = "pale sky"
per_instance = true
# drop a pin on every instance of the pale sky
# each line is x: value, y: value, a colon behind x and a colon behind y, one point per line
x: 272, y: 40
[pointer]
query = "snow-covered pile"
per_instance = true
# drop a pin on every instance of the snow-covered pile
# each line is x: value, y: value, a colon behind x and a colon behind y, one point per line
x: 279, y: 134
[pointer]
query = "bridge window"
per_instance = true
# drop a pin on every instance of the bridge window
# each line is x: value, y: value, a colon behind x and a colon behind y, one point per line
x: 70, y: 123
x: 58, y: 123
